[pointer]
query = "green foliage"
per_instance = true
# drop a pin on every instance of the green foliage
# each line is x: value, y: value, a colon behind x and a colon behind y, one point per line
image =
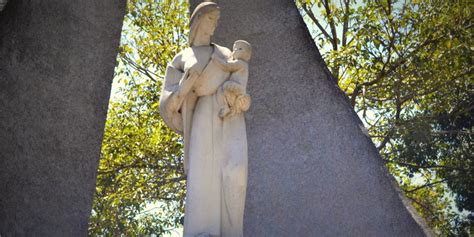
x: 406, y: 67
x: 141, y: 185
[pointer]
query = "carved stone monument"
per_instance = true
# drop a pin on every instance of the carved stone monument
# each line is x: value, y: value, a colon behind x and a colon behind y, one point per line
x: 57, y: 62
x: 203, y: 98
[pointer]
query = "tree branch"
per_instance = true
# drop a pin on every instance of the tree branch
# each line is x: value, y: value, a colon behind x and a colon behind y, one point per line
x: 425, y: 186
x: 345, y: 26
x: 354, y: 94
x: 140, y: 69
x: 421, y: 205
x: 135, y: 166
x: 426, y: 166
x: 400, y: 61
x: 313, y: 18
x: 332, y: 25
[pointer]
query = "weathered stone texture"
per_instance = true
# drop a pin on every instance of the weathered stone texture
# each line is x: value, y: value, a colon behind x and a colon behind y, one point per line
x: 56, y: 67
x: 312, y: 171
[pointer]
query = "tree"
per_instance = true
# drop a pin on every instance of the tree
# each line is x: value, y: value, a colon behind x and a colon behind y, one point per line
x: 406, y: 67
x: 141, y: 182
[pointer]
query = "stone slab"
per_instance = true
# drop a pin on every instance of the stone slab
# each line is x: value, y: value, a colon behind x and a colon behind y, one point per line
x: 57, y: 59
x: 312, y: 171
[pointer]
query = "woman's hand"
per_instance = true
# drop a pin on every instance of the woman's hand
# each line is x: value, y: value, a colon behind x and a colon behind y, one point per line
x: 193, y: 74
x: 187, y: 81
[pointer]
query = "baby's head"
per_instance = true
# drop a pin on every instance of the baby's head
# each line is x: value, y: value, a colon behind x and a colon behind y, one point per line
x: 242, y: 50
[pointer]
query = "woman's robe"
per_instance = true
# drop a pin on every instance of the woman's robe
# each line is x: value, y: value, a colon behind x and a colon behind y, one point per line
x: 215, y: 148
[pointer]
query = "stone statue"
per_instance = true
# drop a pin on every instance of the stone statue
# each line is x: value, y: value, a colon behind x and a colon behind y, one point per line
x: 215, y: 142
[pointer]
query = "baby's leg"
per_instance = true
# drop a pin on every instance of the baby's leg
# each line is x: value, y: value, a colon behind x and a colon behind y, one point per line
x: 222, y: 95
x: 222, y: 102
x: 232, y: 100
x: 224, y: 111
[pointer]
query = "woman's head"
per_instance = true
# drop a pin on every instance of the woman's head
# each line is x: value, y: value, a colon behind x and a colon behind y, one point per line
x: 203, y: 21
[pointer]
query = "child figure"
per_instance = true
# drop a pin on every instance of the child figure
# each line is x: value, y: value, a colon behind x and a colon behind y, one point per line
x: 233, y: 91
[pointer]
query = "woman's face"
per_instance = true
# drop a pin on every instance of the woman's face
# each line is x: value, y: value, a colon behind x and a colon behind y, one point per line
x: 209, y: 22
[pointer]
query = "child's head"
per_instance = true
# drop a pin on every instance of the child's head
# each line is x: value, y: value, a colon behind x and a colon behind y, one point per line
x: 242, y: 50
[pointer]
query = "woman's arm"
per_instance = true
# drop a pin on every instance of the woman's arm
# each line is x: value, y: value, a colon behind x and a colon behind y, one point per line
x: 170, y: 103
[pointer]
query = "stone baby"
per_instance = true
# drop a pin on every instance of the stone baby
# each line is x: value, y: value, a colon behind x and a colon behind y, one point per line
x: 233, y: 91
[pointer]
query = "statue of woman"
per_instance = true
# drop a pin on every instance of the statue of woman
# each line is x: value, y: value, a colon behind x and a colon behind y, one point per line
x: 215, y: 153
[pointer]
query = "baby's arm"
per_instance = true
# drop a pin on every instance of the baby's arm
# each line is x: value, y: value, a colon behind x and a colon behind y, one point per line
x: 229, y: 66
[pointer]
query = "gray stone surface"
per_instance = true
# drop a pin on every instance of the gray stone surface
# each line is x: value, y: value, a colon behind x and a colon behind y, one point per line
x: 56, y: 67
x: 312, y: 171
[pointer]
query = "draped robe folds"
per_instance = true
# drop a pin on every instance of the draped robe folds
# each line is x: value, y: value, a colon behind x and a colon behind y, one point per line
x: 215, y: 149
